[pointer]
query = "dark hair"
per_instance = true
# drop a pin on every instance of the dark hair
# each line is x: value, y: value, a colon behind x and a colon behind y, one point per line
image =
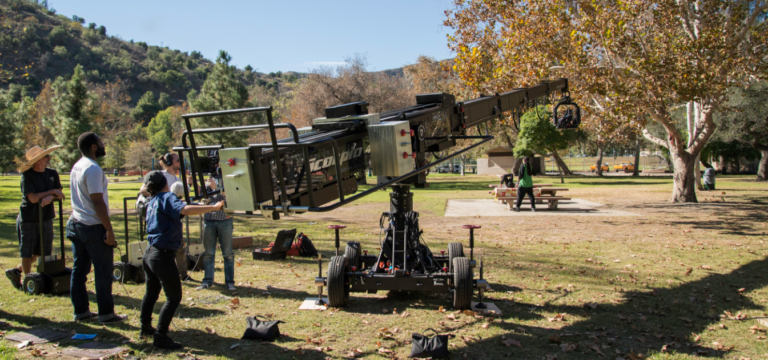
x: 86, y: 140
x: 155, y: 182
x: 527, y: 163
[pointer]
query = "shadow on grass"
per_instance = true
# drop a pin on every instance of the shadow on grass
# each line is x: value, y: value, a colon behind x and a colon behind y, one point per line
x: 643, y: 322
x: 214, y: 345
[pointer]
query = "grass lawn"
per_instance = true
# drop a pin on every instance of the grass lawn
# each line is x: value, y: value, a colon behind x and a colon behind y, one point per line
x: 676, y: 282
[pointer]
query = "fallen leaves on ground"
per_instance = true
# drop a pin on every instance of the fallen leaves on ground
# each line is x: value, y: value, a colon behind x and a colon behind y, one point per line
x: 557, y: 317
x: 210, y: 330
x: 511, y: 343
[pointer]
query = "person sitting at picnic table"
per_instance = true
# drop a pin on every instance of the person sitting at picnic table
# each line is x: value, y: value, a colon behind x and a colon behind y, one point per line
x: 525, y: 185
x: 508, y: 181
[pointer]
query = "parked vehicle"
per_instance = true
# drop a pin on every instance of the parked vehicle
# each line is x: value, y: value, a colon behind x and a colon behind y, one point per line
x: 603, y: 168
x: 626, y: 167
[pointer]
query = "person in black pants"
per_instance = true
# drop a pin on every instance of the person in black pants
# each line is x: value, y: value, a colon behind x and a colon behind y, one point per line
x: 525, y: 185
x: 508, y: 180
x: 164, y: 235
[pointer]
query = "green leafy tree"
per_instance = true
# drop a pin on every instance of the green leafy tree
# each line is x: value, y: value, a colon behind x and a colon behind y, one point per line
x: 222, y: 91
x: 538, y: 135
x: 146, y: 108
x: 165, y: 101
x: 74, y: 110
x: 160, y: 131
x: 14, y: 113
x: 747, y: 122
x: 117, y: 148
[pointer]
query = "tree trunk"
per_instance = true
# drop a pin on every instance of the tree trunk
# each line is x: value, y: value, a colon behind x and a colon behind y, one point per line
x: 516, y: 167
x: 462, y: 166
x: 599, y: 163
x: 636, y: 170
x: 684, y: 184
x: 697, y: 173
x: 561, y: 164
x: 762, y: 170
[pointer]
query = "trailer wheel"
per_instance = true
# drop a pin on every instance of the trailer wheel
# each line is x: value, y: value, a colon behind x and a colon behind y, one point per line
x: 118, y: 272
x: 34, y: 284
x: 455, y: 250
x: 338, y: 282
x: 352, y: 253
x: 462, y: 284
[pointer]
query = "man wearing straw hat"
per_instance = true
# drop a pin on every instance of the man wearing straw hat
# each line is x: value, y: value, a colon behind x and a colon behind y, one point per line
x: 40, y: 186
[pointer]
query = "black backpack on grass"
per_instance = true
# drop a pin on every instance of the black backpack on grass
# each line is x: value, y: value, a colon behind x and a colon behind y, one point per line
x: 306, y: 249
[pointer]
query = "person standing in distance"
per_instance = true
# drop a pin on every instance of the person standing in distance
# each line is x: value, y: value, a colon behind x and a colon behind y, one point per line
x: 525, y: 185
x: 164, y: 235
x: 39, y: 187
x: 91, y: 233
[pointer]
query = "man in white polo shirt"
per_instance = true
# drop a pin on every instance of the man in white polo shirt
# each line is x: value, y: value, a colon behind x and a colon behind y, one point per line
x: 91, y: 233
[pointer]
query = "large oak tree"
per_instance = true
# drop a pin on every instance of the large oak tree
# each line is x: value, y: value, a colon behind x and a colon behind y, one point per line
x: 632, y: 56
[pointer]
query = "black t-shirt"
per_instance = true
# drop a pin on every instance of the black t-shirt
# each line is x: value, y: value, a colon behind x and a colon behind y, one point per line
x: 37, y: 182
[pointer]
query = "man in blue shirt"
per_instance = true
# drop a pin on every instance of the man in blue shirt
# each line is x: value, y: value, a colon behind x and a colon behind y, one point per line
x: 164, y: 235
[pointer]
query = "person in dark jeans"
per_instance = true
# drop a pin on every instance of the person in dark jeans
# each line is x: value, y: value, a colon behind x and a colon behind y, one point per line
x: 164, y: 235
x: 525, y: 185
x: 217, y: 225
x: 91, y: 233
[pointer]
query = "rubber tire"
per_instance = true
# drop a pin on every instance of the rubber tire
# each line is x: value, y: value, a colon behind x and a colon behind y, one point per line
x: 119, y: 274
x: 338, y: 282
x: 455, y: 250
x: 352, y: 252
x: 34, y: 284
x: 462, y: 284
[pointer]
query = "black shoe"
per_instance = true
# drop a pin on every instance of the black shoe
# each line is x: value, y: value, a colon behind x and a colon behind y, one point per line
x: 146, y: 332
x: 515, y: 209
x: 90, y: 316
x: 114, y: 320
x: 15, y: 276
x: 162, y: 341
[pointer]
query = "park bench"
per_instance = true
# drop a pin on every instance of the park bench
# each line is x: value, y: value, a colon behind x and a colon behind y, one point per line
x: 551, y: 201
x: 541, y: 194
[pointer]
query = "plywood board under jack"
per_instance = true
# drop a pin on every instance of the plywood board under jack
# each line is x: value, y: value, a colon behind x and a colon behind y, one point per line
x: 38, y: 336
x: 309, y: 304
x: 489, y: 306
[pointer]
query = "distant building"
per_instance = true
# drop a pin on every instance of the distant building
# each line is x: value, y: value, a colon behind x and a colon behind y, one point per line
x: 500, y: 160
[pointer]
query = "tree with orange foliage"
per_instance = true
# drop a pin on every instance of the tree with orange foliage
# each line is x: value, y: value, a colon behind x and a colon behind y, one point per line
x: 633, y: 56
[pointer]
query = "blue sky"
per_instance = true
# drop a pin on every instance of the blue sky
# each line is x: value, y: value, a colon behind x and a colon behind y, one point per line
x: 278, y: 35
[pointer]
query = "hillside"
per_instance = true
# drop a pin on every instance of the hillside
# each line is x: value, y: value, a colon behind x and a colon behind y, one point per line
x: 37, y: 45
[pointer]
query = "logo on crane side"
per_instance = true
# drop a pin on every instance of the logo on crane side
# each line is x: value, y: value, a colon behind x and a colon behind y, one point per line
x: 322, y: 163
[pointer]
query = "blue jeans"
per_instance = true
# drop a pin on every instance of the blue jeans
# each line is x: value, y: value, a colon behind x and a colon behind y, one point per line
x: 221, y: 230
x: 88, y: 247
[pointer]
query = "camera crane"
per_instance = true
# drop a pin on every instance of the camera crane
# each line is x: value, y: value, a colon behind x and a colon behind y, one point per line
x: 317, y: 165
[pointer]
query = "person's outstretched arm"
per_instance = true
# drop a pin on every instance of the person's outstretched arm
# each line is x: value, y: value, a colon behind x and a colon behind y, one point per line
x: 201, y: 209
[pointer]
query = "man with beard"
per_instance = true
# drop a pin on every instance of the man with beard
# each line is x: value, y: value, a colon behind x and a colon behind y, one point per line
x: 91, y: 233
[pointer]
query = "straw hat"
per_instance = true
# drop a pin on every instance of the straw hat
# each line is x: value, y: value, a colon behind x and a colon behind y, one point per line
x: 34, y: 154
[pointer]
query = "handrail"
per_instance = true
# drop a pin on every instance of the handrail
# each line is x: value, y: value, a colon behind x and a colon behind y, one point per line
x: 193, y: 149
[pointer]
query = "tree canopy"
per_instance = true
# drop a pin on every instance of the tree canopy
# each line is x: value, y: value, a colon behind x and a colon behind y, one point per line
x: 626, y: 55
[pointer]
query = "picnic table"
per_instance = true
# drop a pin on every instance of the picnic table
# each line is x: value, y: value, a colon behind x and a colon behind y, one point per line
x: 541, y: 194
x: 534, y: 185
